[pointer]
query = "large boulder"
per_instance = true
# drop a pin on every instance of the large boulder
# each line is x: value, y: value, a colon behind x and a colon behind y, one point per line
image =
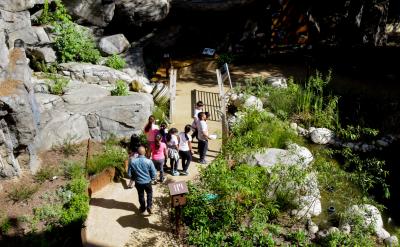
x: 371, y: 217
x: 62, y: 127
x: 47, y: 101
x: 96, y: 12
x: 118, y: 115
x: 46, y: 54
x: 17, y: 5
x: 84, y: 94
x: 114, y: 44
x: 138, y: 12
x: 322, y: 135
x: 295, y: 155
x: 3, y: 51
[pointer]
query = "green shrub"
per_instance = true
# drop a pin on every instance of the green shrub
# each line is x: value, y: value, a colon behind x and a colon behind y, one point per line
x: 111, y: 157
x: 121, y: 89
x: 76, y: 210
x: 49, y: 213
x: 59, y: 13
x: 161, y: 112
x: 57, y: 84
x: 5, y: 225
x: 225, y: 58
x: 46, y: 173
x: 116, y: 62
x: 22, y: 192
x: 73, y: 170
x: 73, y: 43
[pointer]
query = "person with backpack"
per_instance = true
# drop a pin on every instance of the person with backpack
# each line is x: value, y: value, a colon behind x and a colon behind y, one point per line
x: 173, y: 154
x: 185, y: 149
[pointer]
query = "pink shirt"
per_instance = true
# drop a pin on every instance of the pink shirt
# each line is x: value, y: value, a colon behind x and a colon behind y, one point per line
x: 158, y: 154
x: 151, y: 135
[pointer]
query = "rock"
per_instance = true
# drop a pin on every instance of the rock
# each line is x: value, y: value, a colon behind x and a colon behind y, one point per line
x: 119, y: 115
x: 391, y: 241
x: 136, y: 68
x: 96, y: 12
x: 17, y: 5
x: 312, y: 227
x: 62, y: 126
x: 279, y: 82
x: 310, y: 203
x: 382, y: 143
x: 28, y: 35
x: 114, y: 44
x: 3, y: 51
x: 253, y: 102
x: 321, y: 136
x: 301, y: 131
x: 41, y: 35
x: 138, y: 12
x: 371, y: 216
x: 45, y: 54
x: 322, y: 234
x: 333, y: 229
x: 85, y: 94
x: 94, y: 74
x: 47, y: 101
x: 293, y: 126
x: 13, y: 21
x: 345, y: 228
x: 295, y: 155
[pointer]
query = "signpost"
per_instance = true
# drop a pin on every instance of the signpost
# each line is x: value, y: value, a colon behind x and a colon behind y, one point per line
x: 172, y: 92
x: 178, y: 193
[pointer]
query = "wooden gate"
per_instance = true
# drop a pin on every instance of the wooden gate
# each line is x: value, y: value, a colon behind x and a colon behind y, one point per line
x: 211, y: 103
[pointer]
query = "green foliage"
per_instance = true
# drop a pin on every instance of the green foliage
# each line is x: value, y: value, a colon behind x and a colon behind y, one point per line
x: 116, y: 62
x: 5, y: 225
x: 73, y: 170
x: 161, y: 112
x: 68, y: 146
x: 231, y: 207
x: 112, y: 157
x: 225, y: 58
x: 73, y: 43
x: 258, y: 130
x: 121, y: 89
x: 22, y: 192
x: 49, y: 213
x: 46, y: 173
x: 76, y: 210
x: 59, y: 14
x: 57, y: 84
x: 299, y: 238
x: 358, y: 133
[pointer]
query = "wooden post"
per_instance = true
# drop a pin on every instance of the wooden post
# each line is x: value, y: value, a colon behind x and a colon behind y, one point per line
x: 223, y: 107
x: 88, y: 154
x: 172, y: 92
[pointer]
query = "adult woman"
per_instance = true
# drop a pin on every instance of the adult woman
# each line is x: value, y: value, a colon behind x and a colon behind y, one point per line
x: 151, y: 130
x: 173, y: 154
x: 185, y: 149
x: 159, y: 155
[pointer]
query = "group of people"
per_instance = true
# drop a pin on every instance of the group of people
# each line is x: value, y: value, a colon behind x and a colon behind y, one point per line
x: 163, y: 144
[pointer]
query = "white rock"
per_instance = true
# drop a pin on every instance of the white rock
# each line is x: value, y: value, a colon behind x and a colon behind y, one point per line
x: 322, y: 136
x: 275, y: 81
x: 85, y: 94
x: 253, y: 102
x: 345, y: 228
x: 114, y: 44
x: 332, y: 230
x: 293, y: 126
x: 392, y: 241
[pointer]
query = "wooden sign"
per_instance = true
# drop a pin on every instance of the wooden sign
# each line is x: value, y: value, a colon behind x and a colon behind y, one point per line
x: 178, y: 188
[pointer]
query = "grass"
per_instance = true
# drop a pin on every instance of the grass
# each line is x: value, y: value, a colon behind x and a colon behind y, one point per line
x: 68, y: 146
x: 46, y: 173
x: 121, y: 89
x: 112, y: 157
x: 116, y: 62
x: 5, y: 225
x: 22, y: 192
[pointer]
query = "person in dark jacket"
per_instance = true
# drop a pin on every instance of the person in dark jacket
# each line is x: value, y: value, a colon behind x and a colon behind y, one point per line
x: 142, y: 170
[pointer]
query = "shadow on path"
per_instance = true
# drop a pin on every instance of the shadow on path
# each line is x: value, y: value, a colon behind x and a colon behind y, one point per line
x: 111, y: 203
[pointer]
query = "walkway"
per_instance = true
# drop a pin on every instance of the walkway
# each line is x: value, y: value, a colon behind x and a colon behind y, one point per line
x: 114, y: 218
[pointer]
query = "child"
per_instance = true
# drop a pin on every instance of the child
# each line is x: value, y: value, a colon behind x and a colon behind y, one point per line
x: 159, y: 155
x: 173, y: 154
x: 163, y: 132
x: 198, y: 108
x: 151, y: 130
x: 185, y: 149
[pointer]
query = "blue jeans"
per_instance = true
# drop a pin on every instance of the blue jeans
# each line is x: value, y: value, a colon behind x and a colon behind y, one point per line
x: 203, y: 148
x: 141, y: 188
x: 159, y: 164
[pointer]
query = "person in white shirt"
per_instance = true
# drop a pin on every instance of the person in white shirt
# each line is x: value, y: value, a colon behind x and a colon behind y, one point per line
x: 198, y: 108
x: 173, y: 154
x: 203, y: 137
x: 185, y: 149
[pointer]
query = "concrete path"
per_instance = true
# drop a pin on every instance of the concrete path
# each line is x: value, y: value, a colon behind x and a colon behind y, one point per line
x: 114, y: 218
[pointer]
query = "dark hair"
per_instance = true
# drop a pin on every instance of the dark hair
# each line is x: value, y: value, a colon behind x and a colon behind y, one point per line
x: 135, y: 143
x: 207, y: 114
x: 170, y: 133
x: 199, y: 103
x: 152, y: 119
x: 200, y: 114
x: 188, y: 128
x: 158, y: 141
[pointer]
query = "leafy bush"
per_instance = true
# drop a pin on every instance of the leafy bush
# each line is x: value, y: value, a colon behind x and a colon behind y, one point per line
x: 161, y: 112
x: 299, y: 238
x: 258, y: 130
x: 46, y: 173
x: 73, y: 43
x: 116, y: 62
x: 111, y: 157
x: 73, y: 170
x: 121, y: 89
x: 22, y: 192
x: 225, y: 58
x: 57, y: 84
x: 5, y: 225
x: 59, y: 14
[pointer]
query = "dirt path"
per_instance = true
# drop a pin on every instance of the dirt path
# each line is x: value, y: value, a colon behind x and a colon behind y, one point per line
x: 114, y: 218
